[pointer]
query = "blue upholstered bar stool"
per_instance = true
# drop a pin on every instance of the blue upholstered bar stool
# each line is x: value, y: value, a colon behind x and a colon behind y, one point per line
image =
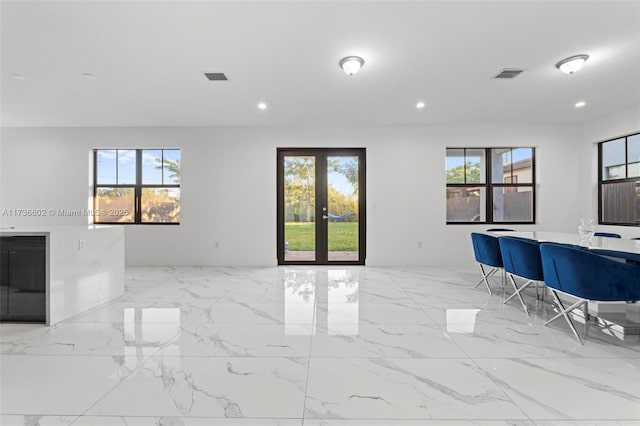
x: 486, y: 249
x: 521, y: 258
x: 587, y: 276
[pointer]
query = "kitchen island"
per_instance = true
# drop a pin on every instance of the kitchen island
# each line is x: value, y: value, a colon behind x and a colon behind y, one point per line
x: 49, y: 274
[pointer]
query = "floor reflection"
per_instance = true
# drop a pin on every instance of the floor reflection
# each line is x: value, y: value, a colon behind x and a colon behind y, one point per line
x: 334, y: 290
x: 461, y: 320
x: 299, y: 301
x: 145, y: 330
x: 342, y: 302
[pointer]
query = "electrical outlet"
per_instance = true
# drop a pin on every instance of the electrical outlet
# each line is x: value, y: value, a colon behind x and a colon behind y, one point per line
x: 81, y: 244
x: 217, y: 244
x: 419, y: 244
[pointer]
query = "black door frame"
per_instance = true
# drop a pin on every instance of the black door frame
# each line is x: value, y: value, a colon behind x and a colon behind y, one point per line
x: 321, y: 155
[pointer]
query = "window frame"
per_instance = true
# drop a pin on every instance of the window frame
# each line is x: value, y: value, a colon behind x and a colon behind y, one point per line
x: 489, y: 185
x: 602, y: 183
x: 138, y: 186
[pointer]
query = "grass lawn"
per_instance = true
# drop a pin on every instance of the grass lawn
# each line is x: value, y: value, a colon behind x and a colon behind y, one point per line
x: 343, y: 236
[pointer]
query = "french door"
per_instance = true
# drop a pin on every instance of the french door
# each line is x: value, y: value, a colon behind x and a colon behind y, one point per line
x: 321, y: 206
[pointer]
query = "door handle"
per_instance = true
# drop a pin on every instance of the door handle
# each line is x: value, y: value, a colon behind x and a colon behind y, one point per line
x: 324, y: 216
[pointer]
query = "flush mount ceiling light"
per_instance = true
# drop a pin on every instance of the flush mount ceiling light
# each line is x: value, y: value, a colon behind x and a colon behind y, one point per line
x: 262, y: 105
x: 351, y: 64
x: 18, y: 76
x: 580, y: 104
x: 420, y: 105
x: 572, y: 64
x: 88, y: 76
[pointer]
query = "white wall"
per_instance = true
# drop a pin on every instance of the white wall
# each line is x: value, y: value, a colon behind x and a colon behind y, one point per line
x: 619, y: 123
x: 229, y: 186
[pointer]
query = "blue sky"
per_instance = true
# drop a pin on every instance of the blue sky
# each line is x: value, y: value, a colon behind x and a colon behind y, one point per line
x: 126, y: 166
x: 337, y: 180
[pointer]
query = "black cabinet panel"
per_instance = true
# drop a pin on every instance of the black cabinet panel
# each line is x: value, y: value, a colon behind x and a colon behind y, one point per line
x: 23, y: 279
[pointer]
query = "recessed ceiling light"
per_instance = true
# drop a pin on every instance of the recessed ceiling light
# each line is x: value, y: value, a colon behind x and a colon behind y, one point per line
x: 420, y: 105
x: 572, y: 64
x: 89, y: 76
x: 18, y: 76
x: 262, y: 105
x: 580, y: 104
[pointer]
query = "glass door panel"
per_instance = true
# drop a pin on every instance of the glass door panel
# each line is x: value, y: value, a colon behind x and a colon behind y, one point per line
x: 299, y: 208
x: 342, y: 208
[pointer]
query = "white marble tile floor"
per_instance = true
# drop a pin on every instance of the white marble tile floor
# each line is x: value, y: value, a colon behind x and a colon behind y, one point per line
x: 315, y: 346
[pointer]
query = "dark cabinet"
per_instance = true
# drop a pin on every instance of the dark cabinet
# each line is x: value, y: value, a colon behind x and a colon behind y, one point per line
x: 23, y: 272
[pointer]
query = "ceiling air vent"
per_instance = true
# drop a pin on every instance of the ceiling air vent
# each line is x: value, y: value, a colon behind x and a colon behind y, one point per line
x: 216, y: 76
x: 508, y: 73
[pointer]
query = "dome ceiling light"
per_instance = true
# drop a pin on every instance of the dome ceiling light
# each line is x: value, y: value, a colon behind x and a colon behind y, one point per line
x: 572, y: 64
x: 351, y: 64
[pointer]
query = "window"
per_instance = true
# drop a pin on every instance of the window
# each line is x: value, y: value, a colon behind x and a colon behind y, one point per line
x: 619, y: 181
x: 140, y: 186
x: 490, y: 185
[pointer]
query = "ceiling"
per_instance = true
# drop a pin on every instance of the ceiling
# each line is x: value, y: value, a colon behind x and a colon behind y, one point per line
x: 149, y: 57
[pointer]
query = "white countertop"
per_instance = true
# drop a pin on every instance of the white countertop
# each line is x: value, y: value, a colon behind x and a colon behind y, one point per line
x: 46, y: 229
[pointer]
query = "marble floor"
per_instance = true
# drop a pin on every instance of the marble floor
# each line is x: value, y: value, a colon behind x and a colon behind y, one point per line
x: 335, y: 346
